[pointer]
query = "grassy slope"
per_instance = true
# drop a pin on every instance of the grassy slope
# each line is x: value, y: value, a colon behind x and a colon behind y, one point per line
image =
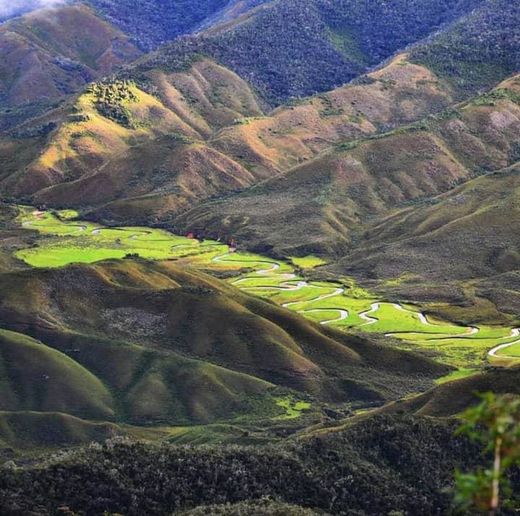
x: 208, y: 137
x: 321, y: 205
x: 452, y: 398
x: 39, y: 378
x: 51, y: 53
x: 423, y: 239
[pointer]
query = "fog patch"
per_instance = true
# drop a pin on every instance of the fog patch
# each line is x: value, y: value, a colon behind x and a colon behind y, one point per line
x: 10, y: 8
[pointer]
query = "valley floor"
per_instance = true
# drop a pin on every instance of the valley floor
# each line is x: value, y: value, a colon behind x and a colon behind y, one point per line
x: 63, y: 240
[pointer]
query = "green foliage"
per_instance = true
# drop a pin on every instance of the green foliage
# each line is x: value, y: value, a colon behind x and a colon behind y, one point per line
x: 379, y: 465
x: 495, y: 424
x: 293, y: 408
x: 477, y: 51
x: 110, y: 99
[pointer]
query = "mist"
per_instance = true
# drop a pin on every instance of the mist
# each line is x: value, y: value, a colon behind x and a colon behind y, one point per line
x: 10, y: 8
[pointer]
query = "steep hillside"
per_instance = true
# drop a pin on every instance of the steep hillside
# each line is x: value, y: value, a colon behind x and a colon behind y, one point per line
x: 291, y: 48
x: 423, y: 239
x: 52, y: 53
x: 209, y: 134
x: 324, y: 205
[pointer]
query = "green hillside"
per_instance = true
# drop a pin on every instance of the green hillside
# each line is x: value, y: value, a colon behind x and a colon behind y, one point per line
x: 156, y: 343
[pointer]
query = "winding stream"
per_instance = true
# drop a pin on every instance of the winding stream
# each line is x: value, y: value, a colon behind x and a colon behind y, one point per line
x: 267, y: 278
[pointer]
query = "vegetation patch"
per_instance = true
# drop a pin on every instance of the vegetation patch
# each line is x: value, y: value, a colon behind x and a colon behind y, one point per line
x: 293, y: 408
x: 110, y: 99
x: 308, y: 262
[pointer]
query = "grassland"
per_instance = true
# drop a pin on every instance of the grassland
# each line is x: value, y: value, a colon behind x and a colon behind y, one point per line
x: 345, y: 306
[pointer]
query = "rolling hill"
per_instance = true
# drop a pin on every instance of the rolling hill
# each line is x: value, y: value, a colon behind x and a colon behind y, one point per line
x: 324, y: 206
x: 153, y: 342
x: 206, y: 120
x: 117, y: 124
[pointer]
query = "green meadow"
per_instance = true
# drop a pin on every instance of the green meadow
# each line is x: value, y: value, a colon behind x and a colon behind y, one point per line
x: 64, y: 240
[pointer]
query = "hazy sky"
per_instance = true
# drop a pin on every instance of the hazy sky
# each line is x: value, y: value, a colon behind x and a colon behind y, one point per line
x: 12, y: 7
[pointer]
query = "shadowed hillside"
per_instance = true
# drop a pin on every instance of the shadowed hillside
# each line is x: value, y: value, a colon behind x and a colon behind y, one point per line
x: 476, y: 50
x: 380, y: 465
x: 424, y: 239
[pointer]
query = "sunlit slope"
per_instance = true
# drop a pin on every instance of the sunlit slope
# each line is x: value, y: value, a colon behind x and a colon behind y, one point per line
x: 120, y: 141
x: 52, y: 53
x: 319, y: 206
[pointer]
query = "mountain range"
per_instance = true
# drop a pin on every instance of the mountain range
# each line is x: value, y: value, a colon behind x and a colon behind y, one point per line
x: 376, y: 140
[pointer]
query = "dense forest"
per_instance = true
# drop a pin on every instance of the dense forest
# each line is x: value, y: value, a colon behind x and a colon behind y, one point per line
x: 384, y: 465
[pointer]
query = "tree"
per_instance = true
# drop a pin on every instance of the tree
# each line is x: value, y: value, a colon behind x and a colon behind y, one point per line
x: 495, y: 423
